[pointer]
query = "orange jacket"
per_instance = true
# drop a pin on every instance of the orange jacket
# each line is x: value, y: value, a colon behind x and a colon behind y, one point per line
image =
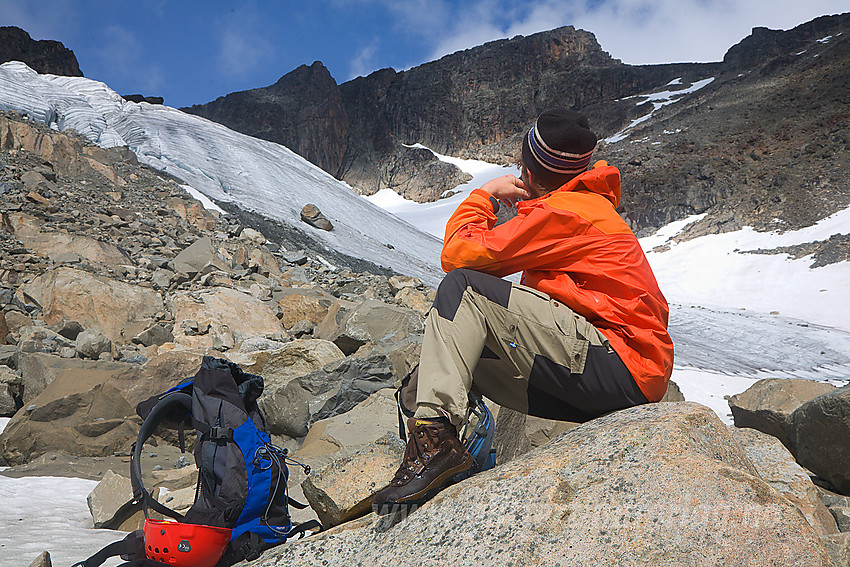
x: 573, y: 246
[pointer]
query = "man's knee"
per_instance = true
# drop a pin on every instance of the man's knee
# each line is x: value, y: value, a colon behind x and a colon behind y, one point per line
x: 455, y: 284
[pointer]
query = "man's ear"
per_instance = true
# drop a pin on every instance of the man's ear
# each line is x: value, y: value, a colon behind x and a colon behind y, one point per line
x: 536, y: 188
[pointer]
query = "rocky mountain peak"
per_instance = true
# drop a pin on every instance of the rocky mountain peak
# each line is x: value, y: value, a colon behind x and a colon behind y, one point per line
x: 302, y: 111
x: 44, y: 56
x: 315, y: 72
x: 537, y: 51
x: 765, y: 45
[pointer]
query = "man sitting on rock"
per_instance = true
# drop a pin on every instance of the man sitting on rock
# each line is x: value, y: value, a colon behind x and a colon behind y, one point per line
x: 586, y: 333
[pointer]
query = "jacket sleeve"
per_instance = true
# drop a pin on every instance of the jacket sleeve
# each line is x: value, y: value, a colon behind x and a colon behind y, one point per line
x: 525, y: 242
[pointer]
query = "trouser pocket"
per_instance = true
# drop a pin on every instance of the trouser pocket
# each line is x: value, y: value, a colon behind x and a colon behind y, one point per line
x: 537, y: 326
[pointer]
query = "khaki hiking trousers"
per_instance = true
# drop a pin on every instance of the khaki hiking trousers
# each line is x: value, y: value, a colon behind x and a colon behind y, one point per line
x: 519, y: 348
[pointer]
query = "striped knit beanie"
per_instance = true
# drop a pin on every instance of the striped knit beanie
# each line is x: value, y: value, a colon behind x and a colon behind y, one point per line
x: 559, y: 145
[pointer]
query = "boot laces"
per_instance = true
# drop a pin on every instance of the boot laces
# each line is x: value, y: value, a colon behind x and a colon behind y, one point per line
x: 421, y: 447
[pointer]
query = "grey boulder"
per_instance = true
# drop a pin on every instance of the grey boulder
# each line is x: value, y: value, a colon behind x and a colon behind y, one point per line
x: 659, y: 484
x: 820, y: 439
x: 767, y: 404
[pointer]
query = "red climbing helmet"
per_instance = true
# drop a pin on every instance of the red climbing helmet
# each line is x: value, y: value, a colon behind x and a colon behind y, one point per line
x: 185, y: 545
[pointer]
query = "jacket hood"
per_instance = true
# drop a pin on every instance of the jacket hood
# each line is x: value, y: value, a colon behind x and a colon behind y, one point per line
x: 603, y: 180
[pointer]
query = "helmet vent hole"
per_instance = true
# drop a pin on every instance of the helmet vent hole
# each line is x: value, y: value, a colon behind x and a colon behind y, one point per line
x: 156, y: 550
x: 165, y: 550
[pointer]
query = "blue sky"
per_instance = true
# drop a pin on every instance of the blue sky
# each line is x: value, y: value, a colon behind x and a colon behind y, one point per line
x: 193, y: 52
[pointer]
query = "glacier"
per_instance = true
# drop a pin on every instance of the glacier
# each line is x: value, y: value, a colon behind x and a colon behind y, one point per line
x: 224, y: 165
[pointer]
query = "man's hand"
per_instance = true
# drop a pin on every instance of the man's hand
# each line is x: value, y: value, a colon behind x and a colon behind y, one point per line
x: 508, y: 189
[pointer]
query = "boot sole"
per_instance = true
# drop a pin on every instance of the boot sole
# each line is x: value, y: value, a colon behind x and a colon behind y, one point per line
x: 411, y: 504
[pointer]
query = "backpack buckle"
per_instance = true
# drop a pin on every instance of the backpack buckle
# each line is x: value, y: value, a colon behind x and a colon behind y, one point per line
x: 217, y: 433
x: 250, y: 551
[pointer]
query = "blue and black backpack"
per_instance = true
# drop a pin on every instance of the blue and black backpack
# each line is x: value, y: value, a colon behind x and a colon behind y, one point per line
x: 242, y: 476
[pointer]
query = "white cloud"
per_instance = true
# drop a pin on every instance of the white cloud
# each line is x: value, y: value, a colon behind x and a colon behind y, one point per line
x: 364, y: 60
x: 123, y: 55
x: 242, y: 44
x: 42, y: 19
x: 635, y: 31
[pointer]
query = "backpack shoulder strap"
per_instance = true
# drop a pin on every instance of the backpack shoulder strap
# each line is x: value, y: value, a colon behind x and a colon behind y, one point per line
x: 171, y: 403
x: 130, y: 548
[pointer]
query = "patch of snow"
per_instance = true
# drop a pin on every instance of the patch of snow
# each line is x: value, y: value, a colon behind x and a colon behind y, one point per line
x: 204, y: 200
x: 432, y: 217
x: 667, y: 232
x: 713, y: 271
x: 801, y: 52
x: 824, y: 39
x: 710, y: 388
x: 47, y: 513
x: 659, y: 99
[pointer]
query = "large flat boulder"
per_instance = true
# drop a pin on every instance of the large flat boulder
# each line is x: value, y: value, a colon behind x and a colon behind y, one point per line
x: 767, y: 404
x: 659, y: 484
x: 370, y: 420
x: 228, y: 317
x: 331, y: 390
x: 198, y: 256
x: 40, y: 369
x: 298, y: 305
x: 352, y: 454
x: 820, y: 430
x: 296, y: 358
x: 80, y: 417
x: 94, y: 301
x: 58, y: 245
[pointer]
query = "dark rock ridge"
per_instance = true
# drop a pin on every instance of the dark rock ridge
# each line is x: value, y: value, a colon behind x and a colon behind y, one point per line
x: 457, y: 104
x: 765, y: 144
x: 303, y: 111
x: 766, y: 139
x: 45, y: 56
x: 143, y: 98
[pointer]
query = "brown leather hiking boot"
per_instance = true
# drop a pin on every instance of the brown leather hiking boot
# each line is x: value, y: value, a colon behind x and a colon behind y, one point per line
x: 433, y: 459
